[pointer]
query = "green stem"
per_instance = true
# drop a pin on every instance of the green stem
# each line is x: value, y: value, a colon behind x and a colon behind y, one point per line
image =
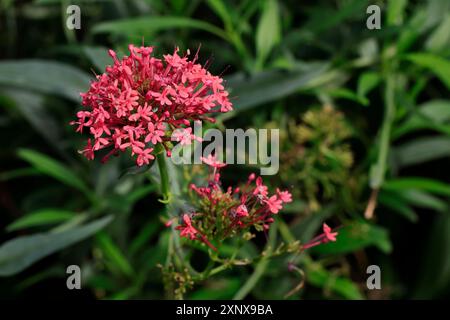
x: 379, y: 169
x: 163, y: 172
x: 174, y: 249
x: 260, y: 267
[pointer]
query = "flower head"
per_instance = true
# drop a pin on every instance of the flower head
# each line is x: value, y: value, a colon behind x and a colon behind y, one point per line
x: 225, y: 212
x: 140, y: 100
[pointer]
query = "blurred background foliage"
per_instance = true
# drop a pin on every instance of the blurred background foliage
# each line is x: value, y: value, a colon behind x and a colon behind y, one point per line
x: 365, y: 131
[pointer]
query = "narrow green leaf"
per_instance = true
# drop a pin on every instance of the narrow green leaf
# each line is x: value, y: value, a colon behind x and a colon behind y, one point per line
x: 53, y: 168
x: 114, y: 254
x: 17, y: 173
x: 423, y: 200
x: 146, y: 233
x: 223, y: 289
x: 396, y: 11
x: 21, y: 252
x: 421, y: 150
x: 40, y: 218
x: 432, y: 115
x: 320, y: 277
x: 367, y: 82
x: 268, y: 86
x: 439, y: 39
x: 146, y: 25
x: 425, y: 184
x: 397, y: 204
x: 434, y: 270
x: 44, y: 76
x: 219, y: 7
x: 436, y: 64
x: 32, y: 108
x: 268, y: 32
x: 99, y: 57
x: 345, y: 93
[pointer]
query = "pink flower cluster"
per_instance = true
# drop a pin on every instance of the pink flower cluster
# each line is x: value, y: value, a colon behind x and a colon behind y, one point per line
x: 223, y: 213
x: 140, y: 100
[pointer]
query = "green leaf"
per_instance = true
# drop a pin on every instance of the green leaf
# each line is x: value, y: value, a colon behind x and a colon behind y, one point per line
x: 395, y: 12
x: 421, y: 150
x: 305, y: 228
x: 423, y: 200
x: 17, y: 173
x: 357, y: 236
x: 45, y: 76
x: 40, y: 218
x: 98, y: 56
x: 53, y: 169
x: 268, y: 32
x: 221, y: 289
x: 439, y: 39
x: 221, y: 10
x: 140, y: 193
x: 326, y: 17
x: 397, y: 204
x: 424, y: 184
x: 146, y: 233
x: 268, y: 86
x: 367, y: 82
x: 349, y: 95
x: 436, y: 110
x: 148, y: 25
x: 320, y: 277
x: 31, y: 107
x: 21, y: 252
x: 432, y: 115
x: 436, y: 64
x: 114, y: 254
x: 434, y: 269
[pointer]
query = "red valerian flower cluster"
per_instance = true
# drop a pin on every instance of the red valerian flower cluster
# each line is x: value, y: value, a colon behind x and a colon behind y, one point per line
x: 221, y: 213
x: 140, y: 100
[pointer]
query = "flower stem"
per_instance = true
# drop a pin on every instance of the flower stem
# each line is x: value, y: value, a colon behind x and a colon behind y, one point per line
x: 260, y: 267
x: 163, y: 172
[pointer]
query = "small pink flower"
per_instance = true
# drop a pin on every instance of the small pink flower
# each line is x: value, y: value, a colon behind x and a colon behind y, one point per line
x: 169, y: 222
x: 324, y: 237
x: 184, y: 136
x: 211, y: 160
x: 143, y: 112
x: 242, y: 211
x: 284, y: 196
x: 155, y: 132
x: 274, y: 204
x: 145, y: 157
x: 330, y: 236
x: 187, y: 230
x: 88, y: 151
x: 260, y: 189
